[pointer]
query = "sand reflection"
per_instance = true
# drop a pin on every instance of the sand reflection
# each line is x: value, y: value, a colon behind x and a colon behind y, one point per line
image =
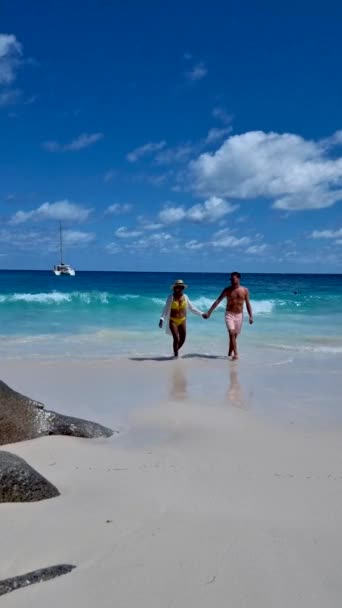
x: 235, y: 393
x: 178, y: 382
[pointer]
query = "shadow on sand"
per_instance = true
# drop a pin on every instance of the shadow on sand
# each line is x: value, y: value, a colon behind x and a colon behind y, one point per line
x: 172, y: 358
x: 202, y: 356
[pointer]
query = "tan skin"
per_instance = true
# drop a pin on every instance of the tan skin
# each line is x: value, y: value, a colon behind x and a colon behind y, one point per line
x: 178, y: 331
x: 236, y: 296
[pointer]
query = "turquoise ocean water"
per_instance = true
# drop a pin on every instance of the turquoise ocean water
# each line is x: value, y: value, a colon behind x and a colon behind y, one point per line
x: 96, y: 314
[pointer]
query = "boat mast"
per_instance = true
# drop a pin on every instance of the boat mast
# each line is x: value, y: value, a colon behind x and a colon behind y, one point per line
x: 60, y: 241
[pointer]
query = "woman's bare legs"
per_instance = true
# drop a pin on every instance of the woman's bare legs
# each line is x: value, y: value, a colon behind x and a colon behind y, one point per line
x: 175, y: 335
x: 182, y: 334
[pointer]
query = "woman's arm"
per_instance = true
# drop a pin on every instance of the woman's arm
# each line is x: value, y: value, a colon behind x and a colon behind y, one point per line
x: 193, y: 308
x: 166, y: 311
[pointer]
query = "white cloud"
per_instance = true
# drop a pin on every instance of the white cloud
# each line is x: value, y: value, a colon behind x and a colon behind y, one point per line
x: 73, y: 238
x: 124, y: 233
x: 170, y: 215
x: 256, y: 249
x: 294, y: 172
x: 222, y: 115
x: 198, y: 72
x: 213, y: 209
x: 10, y: 58
x: 109, y: 175
x: 9, y: 97
x: 25, y: 240
x: 113, y: 248
x: 146, y: 225
x: 79, y: 143
x: 161, y: 241
x: 178, y: 154
x: 61, y: 210
x: 144, y: 150
x: 40, y: 242
x: 326, y: 234
x: 230, y: 241
x: 194, y: 245
x: 215, y: 134
x: 118, y: 209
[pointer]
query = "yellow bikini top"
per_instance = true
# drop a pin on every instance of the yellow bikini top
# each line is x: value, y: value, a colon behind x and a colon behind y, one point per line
x: 178, y: 304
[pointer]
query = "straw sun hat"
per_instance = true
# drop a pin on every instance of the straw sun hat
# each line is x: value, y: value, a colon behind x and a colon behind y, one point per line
x: 178, y: 283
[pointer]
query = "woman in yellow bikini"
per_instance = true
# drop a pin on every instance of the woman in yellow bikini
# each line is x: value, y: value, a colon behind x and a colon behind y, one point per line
x: 175, y: 311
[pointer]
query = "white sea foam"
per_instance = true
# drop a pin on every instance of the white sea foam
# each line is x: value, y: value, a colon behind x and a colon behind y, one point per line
x: 303, y: 348
x: 129, y: 296
x: 91, y: 297
x: 41, y: 298
x: 159, y: 301
x: 259, y: 306
x: 55, y: 297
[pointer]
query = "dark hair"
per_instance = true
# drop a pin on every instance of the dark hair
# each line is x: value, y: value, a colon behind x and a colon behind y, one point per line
x: 236, y: 274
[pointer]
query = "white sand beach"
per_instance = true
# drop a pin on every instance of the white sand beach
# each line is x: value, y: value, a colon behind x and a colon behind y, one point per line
x: 223, y: 488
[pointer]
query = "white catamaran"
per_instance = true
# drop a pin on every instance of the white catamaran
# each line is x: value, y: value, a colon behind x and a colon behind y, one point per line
x: 62, y: 268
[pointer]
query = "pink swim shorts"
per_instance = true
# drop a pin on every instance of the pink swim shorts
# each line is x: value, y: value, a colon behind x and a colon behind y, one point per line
x: 234, y: 321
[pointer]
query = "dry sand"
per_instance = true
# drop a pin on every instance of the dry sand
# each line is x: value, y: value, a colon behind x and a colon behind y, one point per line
x: 223, y: 489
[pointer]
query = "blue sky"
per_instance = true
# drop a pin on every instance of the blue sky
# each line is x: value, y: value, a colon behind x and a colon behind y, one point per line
x: 171, y: 136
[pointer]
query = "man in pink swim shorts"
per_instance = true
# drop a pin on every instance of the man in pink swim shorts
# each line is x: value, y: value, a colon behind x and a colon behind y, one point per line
x: 236, y: 296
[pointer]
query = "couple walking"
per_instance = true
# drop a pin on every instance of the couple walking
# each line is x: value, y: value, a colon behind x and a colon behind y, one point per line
x: 178, y: 303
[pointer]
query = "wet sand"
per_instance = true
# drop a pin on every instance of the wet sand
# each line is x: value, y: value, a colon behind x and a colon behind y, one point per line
x: 224, y: 486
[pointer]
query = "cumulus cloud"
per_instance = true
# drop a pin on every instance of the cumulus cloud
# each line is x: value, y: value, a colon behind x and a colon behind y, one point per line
x: 10, y: 58
x: 293, y: 172
x: 198, y: 72
x: 61, y: 210
x: 118, y: 209
x: 194, y: 245
x: 124, y: 233
x: 144, y: 150
x: 213, y: 209
x: 41, y: 242
x: 222, y: 115
x: 25, y: 240
x: 161, y: 241
x: 256, y: 249
x: 9, y: 97
x: 215, y: 134
x: 147, y: 225
x: 109, y: 175
x: 113, y: 248
x: 229, y: 240
x: 85, y: 140
x: 178, y: 154
x: 326, y: 234
x: 73, y: 238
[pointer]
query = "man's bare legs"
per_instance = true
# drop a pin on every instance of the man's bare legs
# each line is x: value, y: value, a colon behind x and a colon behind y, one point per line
x: 233, y: 351
x: 230, y: 351
x: 175, y: 335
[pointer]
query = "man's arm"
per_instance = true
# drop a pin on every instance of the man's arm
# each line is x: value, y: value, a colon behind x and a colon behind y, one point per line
x: 249, y: 307
x: 216, y: 303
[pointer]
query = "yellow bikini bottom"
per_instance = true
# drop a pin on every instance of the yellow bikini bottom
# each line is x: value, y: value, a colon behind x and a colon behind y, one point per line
x: 177, y: 321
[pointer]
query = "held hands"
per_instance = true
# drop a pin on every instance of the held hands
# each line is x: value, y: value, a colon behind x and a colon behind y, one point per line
x: 206, y: 315
x: 161, y: 323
